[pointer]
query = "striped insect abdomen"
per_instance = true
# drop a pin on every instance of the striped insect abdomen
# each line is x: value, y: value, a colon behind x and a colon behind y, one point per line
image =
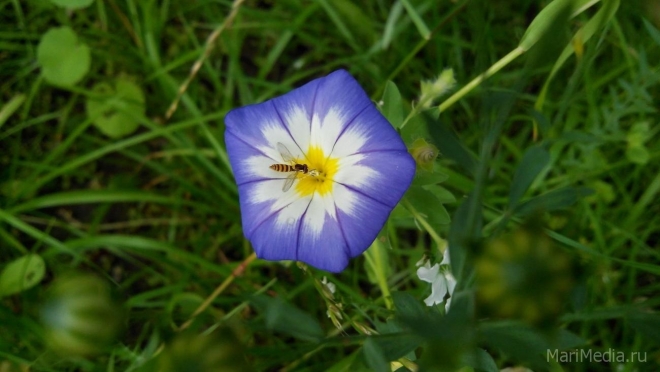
x: 282, y: 168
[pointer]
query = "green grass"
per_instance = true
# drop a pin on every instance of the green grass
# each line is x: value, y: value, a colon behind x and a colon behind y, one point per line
x: 155, y: 214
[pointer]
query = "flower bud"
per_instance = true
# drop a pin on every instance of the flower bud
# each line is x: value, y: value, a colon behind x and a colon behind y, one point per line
x: 433, y: 89
x: 424, y: 154
x: 79, y: 315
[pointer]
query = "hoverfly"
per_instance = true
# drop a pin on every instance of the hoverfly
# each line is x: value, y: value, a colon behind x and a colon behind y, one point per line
x: 293, y: 168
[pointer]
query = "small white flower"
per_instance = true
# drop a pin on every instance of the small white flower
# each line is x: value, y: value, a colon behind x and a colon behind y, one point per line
x: 445, y: 257
x: 329, y: 285
x: 442, y: 281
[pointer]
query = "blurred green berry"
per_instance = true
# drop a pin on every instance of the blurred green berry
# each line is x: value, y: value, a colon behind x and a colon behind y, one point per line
x: 80, y: 316
x: 220, y: 351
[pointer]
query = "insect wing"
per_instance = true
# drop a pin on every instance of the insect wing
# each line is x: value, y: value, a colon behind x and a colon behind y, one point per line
x: 289, y: 182
x: 286, y: 155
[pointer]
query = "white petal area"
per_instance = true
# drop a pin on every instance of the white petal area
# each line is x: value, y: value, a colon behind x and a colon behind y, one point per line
x: 271, y: 190
x: 329, y: 205
x: 351, y: 174
x: 297, y: 121
x: 345, y: 199
x: 259, y: 167
x: 382, y: 175
x: 314, y: 217
x: 275, y: 134
x: 451, y: 282
x: 445, y: 258
x: 291, y: 213
x: 326, y: 131
x: 351, y: 141
x: 428, y: 273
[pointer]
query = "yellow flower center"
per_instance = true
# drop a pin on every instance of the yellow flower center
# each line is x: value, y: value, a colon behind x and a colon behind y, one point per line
x: 321, y: 171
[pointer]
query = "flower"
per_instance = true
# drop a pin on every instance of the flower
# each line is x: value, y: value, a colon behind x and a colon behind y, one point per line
x: 331, y: 287
x: 441, y: 282
x: 351, y: 166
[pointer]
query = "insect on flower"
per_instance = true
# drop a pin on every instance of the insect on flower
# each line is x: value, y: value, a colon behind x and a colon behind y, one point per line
x: 347, y: 169
x: 294, y: 168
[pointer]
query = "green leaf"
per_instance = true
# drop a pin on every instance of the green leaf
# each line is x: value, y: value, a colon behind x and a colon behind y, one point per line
x: 647, y: 324
x: 345, y: 365
x: 638, y: 154
x: 428, y: 206
x: 464, y: 232
x: 429, y: 178
x: 553, y: 200
x: 72, y: 4
x: 21, y: 274
x: 480, y: 360
x: 443, y: 195
x: 115, y: 108
x: 518, y: 342
x: 567, y: 340
x: 533, y: 161
x: 392, y: 105
x: 374, y: 357
x: 449, y: 144
x: 397, y: 345
x: 408, y: 306
x: 653, y: 32
x: 283, y: 317
x: 544, y: 21
x: 64, y: 60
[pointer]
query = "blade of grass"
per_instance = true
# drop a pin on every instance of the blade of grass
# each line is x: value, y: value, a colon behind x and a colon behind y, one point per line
x: 102, y: 196
x: 597, y: 22
x: 422, y: 28
x: 10, y: 107
x: 84, y: 159
x: 37, y: 234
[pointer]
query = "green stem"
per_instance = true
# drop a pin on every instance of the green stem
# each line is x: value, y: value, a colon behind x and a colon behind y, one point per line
x: 376, y: 260
x: 497, y: 66
x: 425, y: 224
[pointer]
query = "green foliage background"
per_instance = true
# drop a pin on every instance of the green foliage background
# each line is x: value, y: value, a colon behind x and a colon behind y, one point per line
x: 95, y: 177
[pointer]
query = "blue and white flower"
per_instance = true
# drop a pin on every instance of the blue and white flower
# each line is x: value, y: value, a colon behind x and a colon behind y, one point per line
x: 358, y: 169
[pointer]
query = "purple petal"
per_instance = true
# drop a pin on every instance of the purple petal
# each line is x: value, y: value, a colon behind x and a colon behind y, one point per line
x: 339, y: 90
x: 368, y: 132
x: 325, y: 249
x: 248, y: 123
x: 394, y: 173
x: 361, y: 223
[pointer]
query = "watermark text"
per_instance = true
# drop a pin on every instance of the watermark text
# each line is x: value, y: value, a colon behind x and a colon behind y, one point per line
x: 589, y: 355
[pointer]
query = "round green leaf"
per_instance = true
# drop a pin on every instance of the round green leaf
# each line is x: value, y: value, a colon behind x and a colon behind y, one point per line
x: 64, y: 61
x: 21, y: 274
x: 113, y: 108
x: 72, y: 4
x: 638, y: 154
